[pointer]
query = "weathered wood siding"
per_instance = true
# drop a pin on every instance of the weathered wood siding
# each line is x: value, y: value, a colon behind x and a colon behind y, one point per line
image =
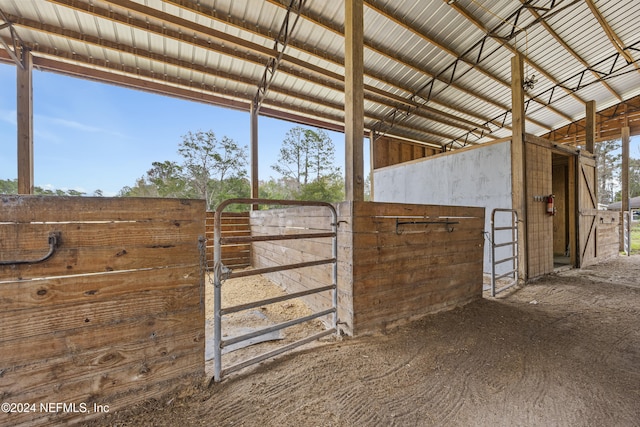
x: 608, y: 239
x: 390, y: 151
x: 539, y: 224
x: 114, y: 317
x: 391, y: 273
x: 233, y: 224
x: 387, y: 274
x: 295, y: 220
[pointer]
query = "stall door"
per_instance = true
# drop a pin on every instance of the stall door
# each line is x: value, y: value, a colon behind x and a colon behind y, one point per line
x: 587, y: 211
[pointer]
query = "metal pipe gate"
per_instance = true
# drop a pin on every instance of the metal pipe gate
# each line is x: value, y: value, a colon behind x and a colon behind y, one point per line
x: 626, y: 232
x: 512, y: 243
x: 220, y: 271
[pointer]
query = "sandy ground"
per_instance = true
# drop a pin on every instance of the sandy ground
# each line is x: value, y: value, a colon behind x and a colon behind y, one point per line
x: 561, y: 351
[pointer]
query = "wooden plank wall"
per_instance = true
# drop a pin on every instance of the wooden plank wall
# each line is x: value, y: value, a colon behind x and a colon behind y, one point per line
x: 295, y: 220
x: 389, y: 151
x: 608, y: 235
x: 114, y: 317
x: 233, y: 224
x: 390, y: 274
x: 539, y: 223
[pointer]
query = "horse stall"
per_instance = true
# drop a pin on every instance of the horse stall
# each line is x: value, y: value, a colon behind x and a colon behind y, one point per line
x: 571, y: 232
x: 396, y: 262
x: 102, y: 304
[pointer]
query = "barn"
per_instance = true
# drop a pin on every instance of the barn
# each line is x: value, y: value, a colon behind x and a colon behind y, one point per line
x: 470, y: 109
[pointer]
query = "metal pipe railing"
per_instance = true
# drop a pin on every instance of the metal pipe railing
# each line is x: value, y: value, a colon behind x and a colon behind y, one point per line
x: 220, y: 271
x: 513, y: 243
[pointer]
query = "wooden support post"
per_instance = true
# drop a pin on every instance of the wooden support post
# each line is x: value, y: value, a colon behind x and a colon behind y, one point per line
x: 24, y: 107
x: 625, y: 180
x: 590, y: 126
x: 254, y: 152
x: 372, y: 156
x: 518, y: 159
x: 354, y: 99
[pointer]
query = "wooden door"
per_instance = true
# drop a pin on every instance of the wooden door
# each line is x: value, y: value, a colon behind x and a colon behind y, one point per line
x: 587, y: 211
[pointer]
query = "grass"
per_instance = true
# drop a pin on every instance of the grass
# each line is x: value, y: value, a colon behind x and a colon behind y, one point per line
x: 635, y: 238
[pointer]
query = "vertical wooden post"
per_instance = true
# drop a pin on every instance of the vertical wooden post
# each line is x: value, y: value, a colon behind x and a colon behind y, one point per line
x: 518, y: 159
x: 24, y: 107
x: 372, y: 154
x: 625, y: 180
x: 590, y: 126
x: 354, y: 99
x: 254, y: 152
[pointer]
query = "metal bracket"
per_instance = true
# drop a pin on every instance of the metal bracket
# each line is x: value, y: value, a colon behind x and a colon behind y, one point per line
x: 53, y: 240
x: 446, y: 223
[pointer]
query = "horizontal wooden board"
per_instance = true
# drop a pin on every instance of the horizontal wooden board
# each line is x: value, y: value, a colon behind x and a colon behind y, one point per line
x: 86, y: 289
x: 136, y: 376
x: 141, y: 329
x: 26, y: 209
x: 48, y: 374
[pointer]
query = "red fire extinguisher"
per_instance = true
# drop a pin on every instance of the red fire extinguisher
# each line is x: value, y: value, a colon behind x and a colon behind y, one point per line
x: 551, y: 210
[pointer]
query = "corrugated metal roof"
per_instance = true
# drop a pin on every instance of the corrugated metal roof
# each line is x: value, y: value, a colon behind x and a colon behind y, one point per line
x: 434, y: 71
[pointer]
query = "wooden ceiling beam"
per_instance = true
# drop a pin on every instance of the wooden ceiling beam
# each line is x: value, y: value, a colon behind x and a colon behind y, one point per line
x: 265, y: 32
x: 617, y: 43
x: 393, y: 55
x: 256, y: 54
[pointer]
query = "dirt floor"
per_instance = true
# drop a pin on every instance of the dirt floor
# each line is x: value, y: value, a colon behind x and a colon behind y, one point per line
x: 562, y: 351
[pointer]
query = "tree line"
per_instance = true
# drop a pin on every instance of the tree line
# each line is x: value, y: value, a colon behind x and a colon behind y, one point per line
x: 215, y: 169
x: 609, y: 170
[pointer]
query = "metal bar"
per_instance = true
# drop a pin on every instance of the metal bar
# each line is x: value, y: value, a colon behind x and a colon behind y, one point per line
x: 513, y: 244
x: 273, y: 300
x: 273, y: 328
x: 53, y: 238
x: 509, y: 273
x: 278, y: 351
x: 505, y: 228
x: 511, y: 258
x: 249, y: 239
x: 257, y: 271
x: 504, y: 288
x: 500, y: 245
x: 218, y: 275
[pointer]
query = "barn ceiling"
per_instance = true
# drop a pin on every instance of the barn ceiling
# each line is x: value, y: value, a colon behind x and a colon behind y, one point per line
x: 435, y: 71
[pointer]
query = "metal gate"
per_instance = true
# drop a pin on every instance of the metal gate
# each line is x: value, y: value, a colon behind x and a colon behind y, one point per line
x: 510, y: 243
x: 222, y: 273
x: 626, y: 232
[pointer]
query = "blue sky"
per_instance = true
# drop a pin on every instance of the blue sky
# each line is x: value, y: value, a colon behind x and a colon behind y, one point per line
x: 90, y: 135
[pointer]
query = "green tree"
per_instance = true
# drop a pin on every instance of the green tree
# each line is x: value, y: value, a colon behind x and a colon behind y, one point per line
x: 206, y: 158
x: 9, y: 186
x: 306, y: 164
x: 325, y: 189
x: 634, y: 177
x: 608, y: 169
x: 168, y: 179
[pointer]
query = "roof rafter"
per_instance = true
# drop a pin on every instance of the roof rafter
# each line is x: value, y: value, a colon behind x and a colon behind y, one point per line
x: 393, y: 55
x: 462, y: 11
x: 617, y: 43
x: 264, y: 32
x: 568, y: 48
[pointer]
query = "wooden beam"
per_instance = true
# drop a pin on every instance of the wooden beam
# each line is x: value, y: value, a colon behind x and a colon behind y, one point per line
x: 518, y: 159
x: 24, y: 106
x: 590, y: 127
x: 613, y: 37
x: 354, y: 99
